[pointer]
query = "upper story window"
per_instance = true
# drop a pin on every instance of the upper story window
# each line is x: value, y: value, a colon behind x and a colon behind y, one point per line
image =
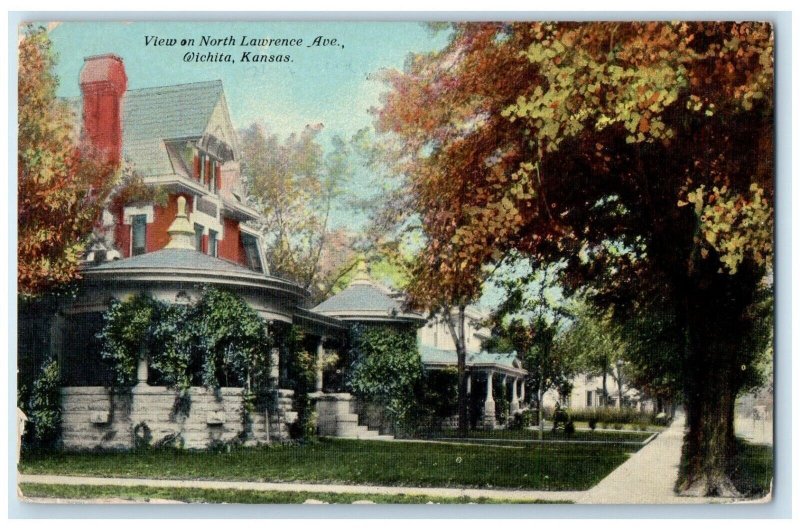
x: 212, y: 175
x: 212, y: 243
x: 206, y: 171
x: 252, y: 254
x: 138, y: 234
x: 198, y: 237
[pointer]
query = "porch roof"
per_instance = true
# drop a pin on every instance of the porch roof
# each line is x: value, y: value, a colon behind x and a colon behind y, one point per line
x: 500, y: 362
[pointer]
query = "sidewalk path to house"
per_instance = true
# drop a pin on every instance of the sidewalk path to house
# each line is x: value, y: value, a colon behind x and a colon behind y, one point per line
x: 473, y: 493
x: 648, y: 476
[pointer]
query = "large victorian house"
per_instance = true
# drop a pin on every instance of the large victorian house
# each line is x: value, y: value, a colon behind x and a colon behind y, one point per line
x: 180, y: 140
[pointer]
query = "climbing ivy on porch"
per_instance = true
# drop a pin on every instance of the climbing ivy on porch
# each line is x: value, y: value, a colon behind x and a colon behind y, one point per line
x: 216, y: 341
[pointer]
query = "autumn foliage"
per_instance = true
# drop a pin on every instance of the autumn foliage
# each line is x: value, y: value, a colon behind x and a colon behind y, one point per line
x: 640, y: 154
x: 61, y: 189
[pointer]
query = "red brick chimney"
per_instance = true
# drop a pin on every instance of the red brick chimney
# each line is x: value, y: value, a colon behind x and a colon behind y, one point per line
x: 103, y: 84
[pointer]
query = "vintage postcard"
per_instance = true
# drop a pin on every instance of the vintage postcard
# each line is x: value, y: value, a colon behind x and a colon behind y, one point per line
x: 395, y: 262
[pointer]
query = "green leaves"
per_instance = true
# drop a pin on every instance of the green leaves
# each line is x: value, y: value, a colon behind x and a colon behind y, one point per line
x: 218, y: 341
x: 127, y: 332
x: 44, y: 406
x: 386, y: 368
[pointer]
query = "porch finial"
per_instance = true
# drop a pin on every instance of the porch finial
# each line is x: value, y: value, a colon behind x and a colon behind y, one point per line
x: 362, y: 274
x: 181, y: 232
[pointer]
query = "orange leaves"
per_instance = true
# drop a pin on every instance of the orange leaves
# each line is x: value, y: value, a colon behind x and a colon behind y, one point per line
x: 60, y: 193
x: 516, y: 142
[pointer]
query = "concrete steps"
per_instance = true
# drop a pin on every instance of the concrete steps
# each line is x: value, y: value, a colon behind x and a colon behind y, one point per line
x: 338, y: 419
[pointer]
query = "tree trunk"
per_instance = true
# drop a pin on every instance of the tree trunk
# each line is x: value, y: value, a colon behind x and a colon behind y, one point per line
x: 605, y: 388
x: 619, y: 386
x: 540, y: 397
x: 461, y: 351
x: 717, y: 355
x: 457, y: 332
x: 709, y: 444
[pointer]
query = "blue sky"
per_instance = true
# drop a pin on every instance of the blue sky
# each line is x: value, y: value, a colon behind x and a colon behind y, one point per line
x: 334, y: 86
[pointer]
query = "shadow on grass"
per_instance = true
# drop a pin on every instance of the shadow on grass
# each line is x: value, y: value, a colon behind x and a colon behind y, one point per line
x: 752, y: 469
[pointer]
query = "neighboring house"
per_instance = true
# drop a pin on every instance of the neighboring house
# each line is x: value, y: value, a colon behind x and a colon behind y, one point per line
x: 587, y: 392
x: 436, y: 334
x: 438, y: 351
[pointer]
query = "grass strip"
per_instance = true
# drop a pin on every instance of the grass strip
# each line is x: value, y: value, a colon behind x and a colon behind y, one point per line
x: 231, y: 496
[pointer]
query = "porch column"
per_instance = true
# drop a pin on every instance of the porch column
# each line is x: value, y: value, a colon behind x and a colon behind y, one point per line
x: 522, y: 391
x: 320, y: 354
x: 274, y: 367
x: 489, y: 420
x: 514, y: 397
x: 469, y: 384
x: 141, y: 368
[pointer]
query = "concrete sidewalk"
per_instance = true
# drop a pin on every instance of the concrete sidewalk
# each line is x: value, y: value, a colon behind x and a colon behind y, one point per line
x: 472, y: 493
x: 648, y: 477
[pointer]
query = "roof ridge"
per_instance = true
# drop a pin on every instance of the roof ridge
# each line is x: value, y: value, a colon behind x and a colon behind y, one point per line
x: 178, y: 85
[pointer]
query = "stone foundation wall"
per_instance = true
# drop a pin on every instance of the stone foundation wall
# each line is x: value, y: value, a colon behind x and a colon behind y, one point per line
x: 94, y: 418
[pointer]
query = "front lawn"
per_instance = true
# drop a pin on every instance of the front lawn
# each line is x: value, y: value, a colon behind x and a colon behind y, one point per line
x: 232, y: 496
x: 557, y: 467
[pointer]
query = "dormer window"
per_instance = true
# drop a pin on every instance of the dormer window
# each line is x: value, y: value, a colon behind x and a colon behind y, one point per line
x: 212, y: 175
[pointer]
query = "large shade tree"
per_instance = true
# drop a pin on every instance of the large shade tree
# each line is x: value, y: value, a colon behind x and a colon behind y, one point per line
x: 61, y: 187
x: 641, y: 153
x: 294, y: 184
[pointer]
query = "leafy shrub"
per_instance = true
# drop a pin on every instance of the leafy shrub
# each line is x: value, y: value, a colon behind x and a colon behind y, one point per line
x: 612, y: 415
x: 302, y: 369
x: 436, y: 398
x: 569, y: 428
x: 617, y: 426
x: 592, y: 422
x: 174, y: 347
x: 386, y: 369
x: 522, y: 420
x: 233, y: 340
x: 44, y: 407
x: 502, y: 404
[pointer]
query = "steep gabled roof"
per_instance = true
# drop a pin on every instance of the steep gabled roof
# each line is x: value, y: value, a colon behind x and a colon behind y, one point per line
x: 151, y: 116
x: 168, y: 112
